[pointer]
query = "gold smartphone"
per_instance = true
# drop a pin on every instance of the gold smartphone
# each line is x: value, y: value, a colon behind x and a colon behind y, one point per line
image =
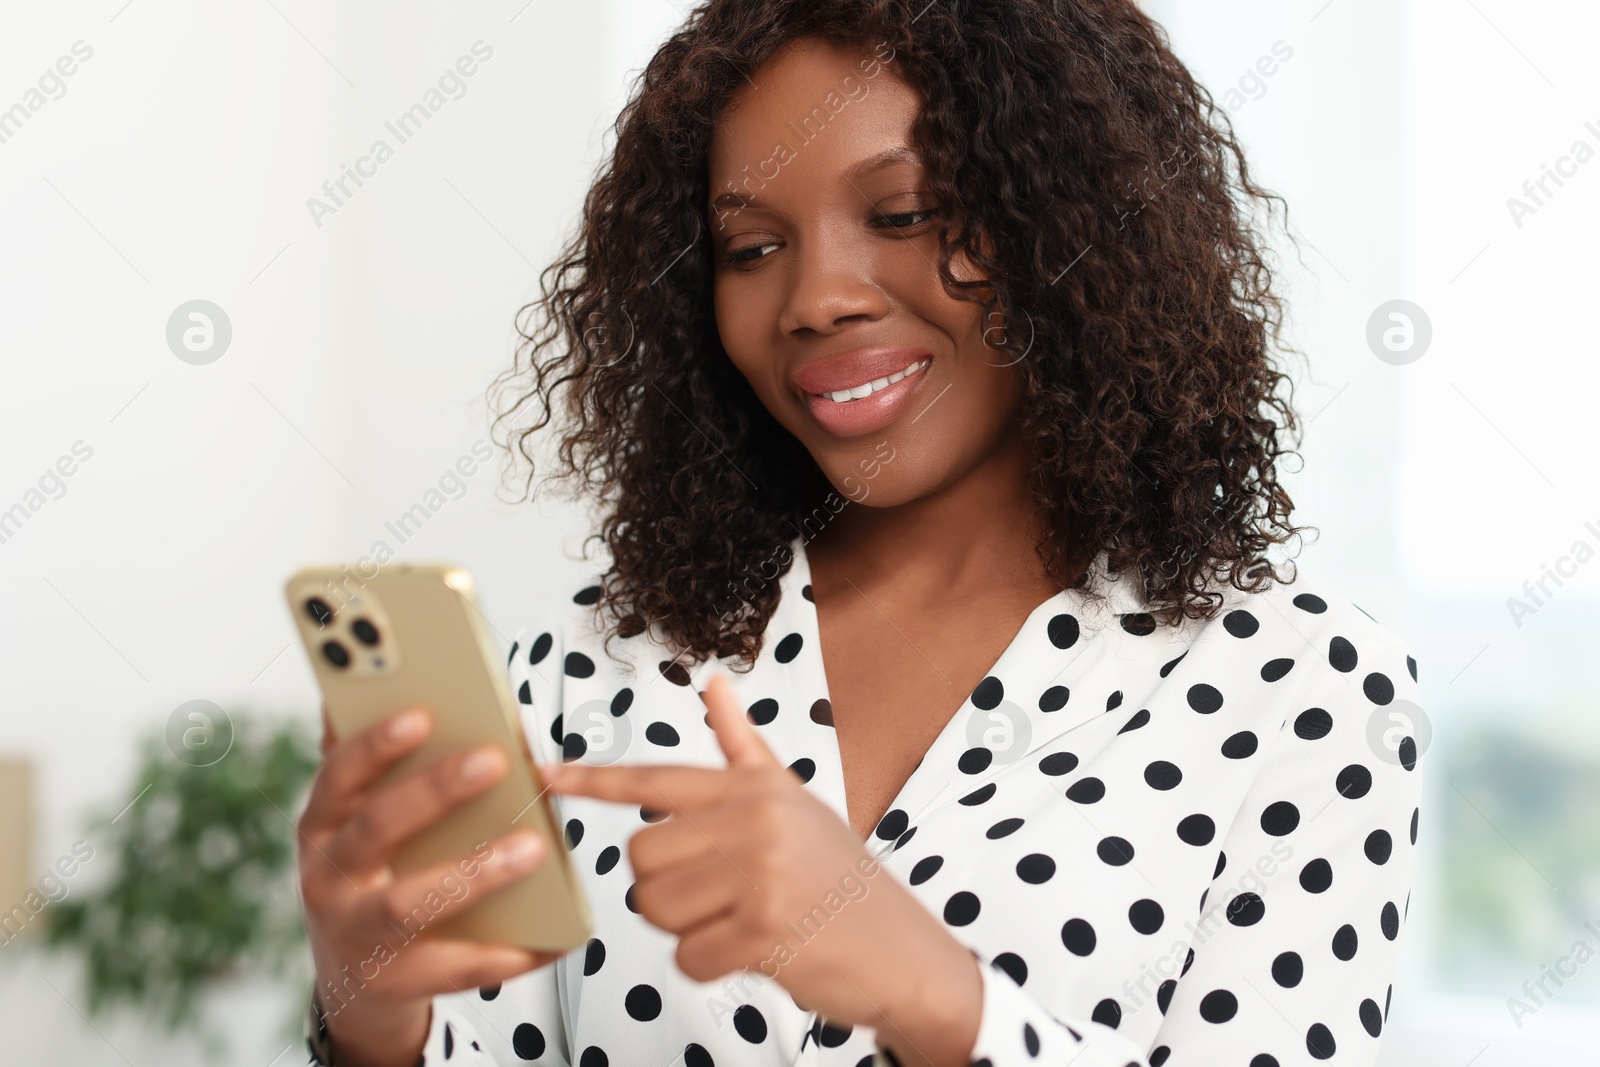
x: 413, y: 636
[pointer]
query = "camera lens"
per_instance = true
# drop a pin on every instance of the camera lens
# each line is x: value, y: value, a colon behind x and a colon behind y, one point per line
x: 336, y: 653
x: 365, y: 632
x: 319, y: 611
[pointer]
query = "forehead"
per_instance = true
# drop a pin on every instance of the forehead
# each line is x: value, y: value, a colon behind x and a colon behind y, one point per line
x: 815, y: 109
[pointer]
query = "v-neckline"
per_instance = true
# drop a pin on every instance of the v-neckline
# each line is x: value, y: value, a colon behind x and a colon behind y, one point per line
x: 922, y: 786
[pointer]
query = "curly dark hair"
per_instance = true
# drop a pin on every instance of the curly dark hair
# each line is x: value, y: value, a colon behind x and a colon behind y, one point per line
x: 1102, y: 195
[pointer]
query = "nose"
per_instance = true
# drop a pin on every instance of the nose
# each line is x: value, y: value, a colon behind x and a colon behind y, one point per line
x: 831, y: 286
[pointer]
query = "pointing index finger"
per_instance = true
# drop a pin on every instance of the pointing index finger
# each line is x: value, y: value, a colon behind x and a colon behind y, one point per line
x: 655, y: 786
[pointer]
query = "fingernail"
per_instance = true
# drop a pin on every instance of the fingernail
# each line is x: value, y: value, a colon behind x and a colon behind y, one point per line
x: 407, y: 725
x: 480, y: 765
x: 522, y: 850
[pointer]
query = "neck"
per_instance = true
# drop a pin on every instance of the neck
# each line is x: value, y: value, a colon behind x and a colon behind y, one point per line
x: 978, y: 531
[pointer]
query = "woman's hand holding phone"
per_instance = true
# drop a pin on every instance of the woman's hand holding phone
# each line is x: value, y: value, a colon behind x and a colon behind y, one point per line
x: 354, y: 905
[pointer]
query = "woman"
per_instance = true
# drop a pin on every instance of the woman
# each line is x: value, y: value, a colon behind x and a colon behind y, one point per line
x: 938, y: 703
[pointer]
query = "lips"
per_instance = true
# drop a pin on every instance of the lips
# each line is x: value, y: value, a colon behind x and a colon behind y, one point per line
x: 851, y: 393
x: 847, y: 370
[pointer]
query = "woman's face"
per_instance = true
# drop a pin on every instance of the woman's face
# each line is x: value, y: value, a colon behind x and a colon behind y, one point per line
x: 825, y: 240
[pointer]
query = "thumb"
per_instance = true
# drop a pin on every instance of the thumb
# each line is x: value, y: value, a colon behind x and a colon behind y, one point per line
x: 740, y: 743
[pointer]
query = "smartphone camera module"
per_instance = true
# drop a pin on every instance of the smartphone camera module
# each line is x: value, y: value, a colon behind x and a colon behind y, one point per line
x: 365, y: 632
x: 319, y: 611
x: 336, y: 654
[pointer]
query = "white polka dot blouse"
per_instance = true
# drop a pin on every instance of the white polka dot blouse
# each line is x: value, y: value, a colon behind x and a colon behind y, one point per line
x: 1186, y: 845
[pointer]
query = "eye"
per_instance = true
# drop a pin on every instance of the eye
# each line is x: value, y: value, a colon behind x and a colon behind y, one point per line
x: 917, y: 218
x: 736, y: 257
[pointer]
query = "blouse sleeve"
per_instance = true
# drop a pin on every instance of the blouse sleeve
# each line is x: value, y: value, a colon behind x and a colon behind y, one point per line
x: 519, y: 1022
x: 1292, y: 955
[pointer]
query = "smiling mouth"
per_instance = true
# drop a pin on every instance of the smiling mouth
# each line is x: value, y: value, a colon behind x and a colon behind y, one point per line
x: 866, y: 389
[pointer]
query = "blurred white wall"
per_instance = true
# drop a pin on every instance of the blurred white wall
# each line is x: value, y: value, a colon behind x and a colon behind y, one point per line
x: 176, y: 165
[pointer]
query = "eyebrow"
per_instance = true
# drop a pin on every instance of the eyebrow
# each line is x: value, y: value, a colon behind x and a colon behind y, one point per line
x: 887, y: 158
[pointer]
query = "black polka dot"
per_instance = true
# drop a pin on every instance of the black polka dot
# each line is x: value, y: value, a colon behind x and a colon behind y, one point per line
x: 627, y: 899
x: 621, y: 702
x: 1222, y: 861
x: 1354, y: 782
x: 832, y: 1036
x: 988, y: 694
x: 961, y: 909
x: 1241, y: 745
x: 642, y: 1003
x: 607, y: 859
x: 1140, y: 718
x: 903, y: 838
x: 805, y: 591
x: 594, y: 1056
x: 1288, y: 969
x: 1115, y: 851
x: 573, y: 747
x: 1167, y: 667
x: 660, y: 733
x: 1240, y: 623
x: 750, y: 1023
x: 1311, y: 602
x: 1086, y: 790
x: 1003, y: 828
x: 975, y: 760
x: 1078, y: 936
x: 1197, y: 830
x: 1246, y: 909
x: 588, y: 595
x: 574, y: 833
x: 1030, y: 1039
x: 527, y: 1040
x: 1204, y: 698
x: 1146, y: 916
x: 1378, y: 846
x: 1342, y: 655
x: 804, y: 768
x: 1411, y: 668
x: 1280, y: 818
x: 1344, y: 942
x: 893, y: 824
x: 822, y: 712
x: 1408, y: 752
x: 1140, y: 624
x: 1164, y: 994
x: 1036, y: 868
x: 787, y: 650
x: 1063, y: 631
x: 762, y: 711
x: 674, y: 672
x: 1107, y: 1013
x: 926, y: 868
x: 578, y: 665
x: 1319, y: 1042
x: 1378, y: 688
x: 1274, y: 669
x: 1012, y: 964
x: 524, y: 694
x: 1316, y: 876
x: 978, y: 795
x: 1159, y: 1055
x: 1218, y: 1006
x: 1371, y: 1017
x: 1054, y: 698
x: 539, y: 649
x: 489, y: 992
x: 1389, y: 921
x: 1162, y: 775
x: 594, y: 956
x: 1265, y: 1059
x: 1313, y: 724
x: 1058, y: 763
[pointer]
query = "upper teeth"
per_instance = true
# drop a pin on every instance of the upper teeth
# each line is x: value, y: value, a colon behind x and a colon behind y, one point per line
x: 843, y: 395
